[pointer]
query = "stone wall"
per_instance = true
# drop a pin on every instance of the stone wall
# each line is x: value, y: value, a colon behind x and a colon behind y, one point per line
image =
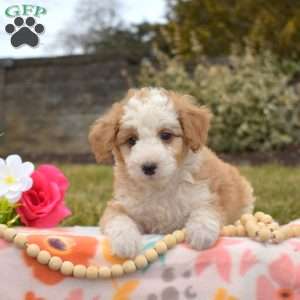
x: 48, y: 104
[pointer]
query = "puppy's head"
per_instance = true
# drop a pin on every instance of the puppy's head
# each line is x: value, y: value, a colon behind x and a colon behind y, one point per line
x: 150, y: 132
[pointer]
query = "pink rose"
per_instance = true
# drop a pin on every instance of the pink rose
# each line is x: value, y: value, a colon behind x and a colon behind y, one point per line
x: 43, y: 205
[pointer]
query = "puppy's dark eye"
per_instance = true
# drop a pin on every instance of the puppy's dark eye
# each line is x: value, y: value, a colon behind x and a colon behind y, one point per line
x: 132, y: 141
x: 166, y: 136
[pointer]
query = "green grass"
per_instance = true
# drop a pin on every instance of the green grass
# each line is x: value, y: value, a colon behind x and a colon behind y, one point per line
x: 90, y: 188
x: 277, y: 189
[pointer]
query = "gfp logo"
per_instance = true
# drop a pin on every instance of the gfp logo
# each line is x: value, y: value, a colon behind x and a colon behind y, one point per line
x: 25, y: 30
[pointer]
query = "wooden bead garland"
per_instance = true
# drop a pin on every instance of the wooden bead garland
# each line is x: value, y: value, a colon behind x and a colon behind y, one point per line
x: 151, y: 255
x: 117, y: 270
x: 79, y: 271
x: 260, y: 227
x: 33, y: 250
x: 141, y: 262
x: 129, y: 266
x: 20, y: 240
x: 104, y: 272
x: 67, y: 268
x: 161, y: 247
x: 9, y: 234
x: 44, y: 257
x: 92, y: 272
x: 55, y: 263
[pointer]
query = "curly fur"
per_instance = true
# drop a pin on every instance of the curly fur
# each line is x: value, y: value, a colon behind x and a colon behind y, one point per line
x: 191, y: 187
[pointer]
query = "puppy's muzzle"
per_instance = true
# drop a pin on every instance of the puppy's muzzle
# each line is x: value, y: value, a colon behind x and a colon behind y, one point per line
x: 149, y: 168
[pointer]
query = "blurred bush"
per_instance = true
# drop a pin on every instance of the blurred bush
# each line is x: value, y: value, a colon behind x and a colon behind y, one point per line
x: 217, y: 25
x: 255, y: 106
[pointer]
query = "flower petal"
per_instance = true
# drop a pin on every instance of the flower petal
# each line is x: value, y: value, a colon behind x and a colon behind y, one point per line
x: 15, y: 187
x: 3, y: 189
x: 3, y: 171
x: 53, y: 218
x: 2, y: 162
x: 26, y: 184
x: 279, y: 270
x: 13, y: 160
x: 265, y: 289
x: 53, y: 174
x: 13, y: 196
x: 27, y: 168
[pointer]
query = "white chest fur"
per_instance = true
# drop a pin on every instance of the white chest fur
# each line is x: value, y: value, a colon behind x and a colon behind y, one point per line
x: 164, y: 210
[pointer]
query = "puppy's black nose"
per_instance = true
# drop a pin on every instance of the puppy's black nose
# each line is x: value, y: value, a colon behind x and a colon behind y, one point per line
x: 149, y: 168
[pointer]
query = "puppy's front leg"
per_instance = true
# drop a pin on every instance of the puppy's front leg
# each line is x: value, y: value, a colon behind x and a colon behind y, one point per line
x: 122, y: 231
x: 203, y: 228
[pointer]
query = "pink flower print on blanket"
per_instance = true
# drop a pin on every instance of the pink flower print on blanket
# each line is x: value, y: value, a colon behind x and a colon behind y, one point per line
x: 248, y: 260
x: 284, y: 283
x: 219, y: 256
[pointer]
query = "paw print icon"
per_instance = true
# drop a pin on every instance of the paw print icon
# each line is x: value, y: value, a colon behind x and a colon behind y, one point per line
x: 24, y: 32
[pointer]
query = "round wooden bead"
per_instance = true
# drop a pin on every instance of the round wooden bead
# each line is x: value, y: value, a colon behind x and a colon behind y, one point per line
x: 141, y: 262
x: 117, y: 270
x: 161, y: 247
x: 278, y: 236
x: 273, y: 226
x: 79, y: 271
x: 225, y: 231
x: 289, y: 231
x: 252, y: 229
x: 3, y: 227
x: 44, y: 257
x: 20, y: 240
x: 129, y: 266
x: 246, y: 218
x: 261, y: 224
x: 55, y: 263
x: 293, y: 231
x: 9, y: 234
x: 33, y: 250
x: 231, y: 230
x: 264, y: 234
x: 104, y: 272
x: 250, y: 224
x: 267, y: 219
x: 297, y: 231
x: 179, y: 236
x: 240, y: 230
x: 285, y: 230
x: 151, y: 255
x: 92, y: 272
x: 170, y: 240
x: 259, y: 215
x: 67, y: 268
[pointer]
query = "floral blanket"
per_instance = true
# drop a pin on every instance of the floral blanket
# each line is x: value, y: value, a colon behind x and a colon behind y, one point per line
x: 235, y: 268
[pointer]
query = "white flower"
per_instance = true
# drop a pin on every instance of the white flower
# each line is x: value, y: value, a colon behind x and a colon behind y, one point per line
x: 14, y: 177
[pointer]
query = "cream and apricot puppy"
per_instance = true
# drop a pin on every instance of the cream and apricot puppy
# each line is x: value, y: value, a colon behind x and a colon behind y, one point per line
x: 165, y: 178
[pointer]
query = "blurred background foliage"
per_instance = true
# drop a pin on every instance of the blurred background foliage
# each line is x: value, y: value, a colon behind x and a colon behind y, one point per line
x: 254, y: 105
x: 216, y: 25
x: 213, y: 24
x: 240, y: 58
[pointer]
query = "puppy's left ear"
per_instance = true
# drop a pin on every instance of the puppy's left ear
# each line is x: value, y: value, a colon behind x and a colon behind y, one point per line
x: 103, y: 133
x: 195, y: 122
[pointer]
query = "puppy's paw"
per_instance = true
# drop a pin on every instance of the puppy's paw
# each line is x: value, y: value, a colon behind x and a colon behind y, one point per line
x: 202, y: 236
x: 125, y: 238
x: 126, y: 245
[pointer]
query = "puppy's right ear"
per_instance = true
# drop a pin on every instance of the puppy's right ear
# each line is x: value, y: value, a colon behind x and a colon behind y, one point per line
x: 103, y: 133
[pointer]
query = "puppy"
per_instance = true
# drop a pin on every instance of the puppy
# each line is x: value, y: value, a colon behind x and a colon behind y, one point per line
x: 165, y: 178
